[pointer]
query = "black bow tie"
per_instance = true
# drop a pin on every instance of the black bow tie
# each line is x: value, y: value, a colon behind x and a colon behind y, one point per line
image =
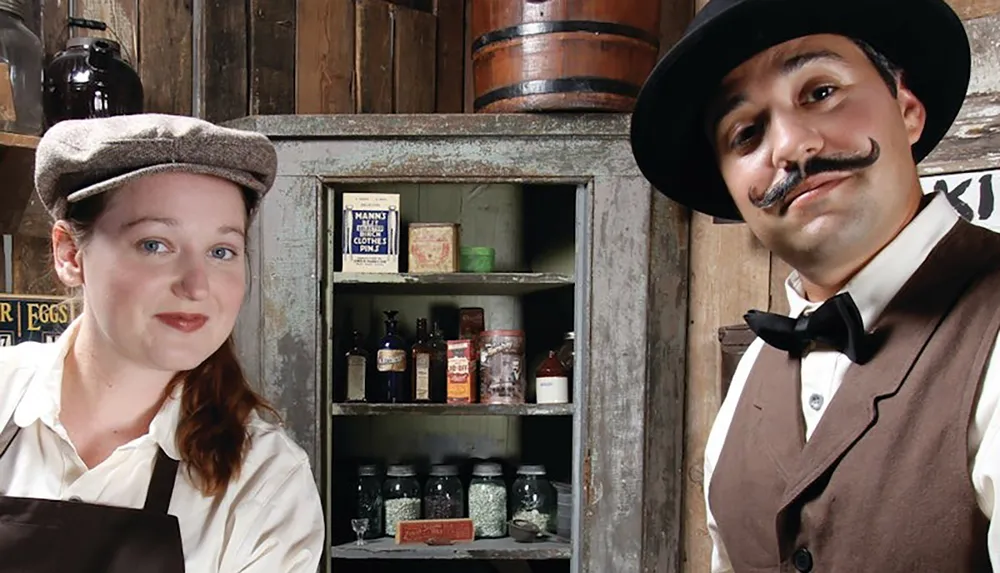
x: 837, y: 323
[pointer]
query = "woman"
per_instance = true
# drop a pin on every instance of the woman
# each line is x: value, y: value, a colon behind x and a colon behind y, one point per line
x: 134, y: 442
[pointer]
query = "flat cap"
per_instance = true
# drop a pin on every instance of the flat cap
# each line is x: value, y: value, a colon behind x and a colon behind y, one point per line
x: 80, y: 158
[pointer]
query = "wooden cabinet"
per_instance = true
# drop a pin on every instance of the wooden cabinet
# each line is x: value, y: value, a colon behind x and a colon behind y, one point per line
x: 583, y: 244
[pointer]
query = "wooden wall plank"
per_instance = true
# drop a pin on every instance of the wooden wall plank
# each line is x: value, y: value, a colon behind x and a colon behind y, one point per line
x: 54, y: 31
x: 470, y: 91
x: 122, y: 18
x: 224, y: 64
x: 730, y: 273
x: 414, y: 60
x: 165, y: 56
x: 970, y: 9
x: 373, y: 57
x: 450, y: 68
x: 272, y: 57
x: 324, y: 69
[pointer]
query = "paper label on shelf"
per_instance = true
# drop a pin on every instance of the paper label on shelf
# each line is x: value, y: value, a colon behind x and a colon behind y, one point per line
x: 7, y: 110
x: 391, y: 360
x: 423, y: 389
x: 552, y: 390
x: 356, y: 377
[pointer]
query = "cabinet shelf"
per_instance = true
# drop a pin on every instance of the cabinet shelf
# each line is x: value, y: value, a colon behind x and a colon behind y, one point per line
x: 505, y: 284
x: 487, y: 549
x: 356, y: 409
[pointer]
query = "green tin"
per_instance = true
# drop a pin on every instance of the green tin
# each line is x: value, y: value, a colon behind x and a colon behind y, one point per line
x: 476, y: 259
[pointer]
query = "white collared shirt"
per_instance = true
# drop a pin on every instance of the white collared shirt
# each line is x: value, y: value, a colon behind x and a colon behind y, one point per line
x: 822, y: 371
x: 269, y: 520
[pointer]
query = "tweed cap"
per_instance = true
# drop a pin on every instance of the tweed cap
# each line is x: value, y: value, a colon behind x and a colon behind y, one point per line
x: 80, y: 158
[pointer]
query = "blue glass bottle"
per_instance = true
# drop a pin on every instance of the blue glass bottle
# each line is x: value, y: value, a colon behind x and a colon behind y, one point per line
x: 393, y: 383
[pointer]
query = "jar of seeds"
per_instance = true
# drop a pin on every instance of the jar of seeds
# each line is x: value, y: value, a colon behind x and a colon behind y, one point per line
x: 533, y: 498
x: 369, y: 502
x: 488, y: 500
x: 402, y: 496
x: 444, y: 497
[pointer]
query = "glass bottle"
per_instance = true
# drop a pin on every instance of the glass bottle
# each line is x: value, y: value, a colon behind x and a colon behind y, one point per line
x: 566, y: 352
x: 488, y: 501
x: 420, y: 364
x: 444, y: 497
x: 533, y: 498
x: 393, y: 385
x: 21, y: 58
x: 551, y: 382
x: 369, y: 503
x: 357, y: 369
x: 402, y: 496
x: 439, y: 366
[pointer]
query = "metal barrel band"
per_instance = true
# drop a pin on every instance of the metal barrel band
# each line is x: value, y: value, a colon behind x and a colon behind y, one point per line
x: 557, y: 26
x: 557, y: 86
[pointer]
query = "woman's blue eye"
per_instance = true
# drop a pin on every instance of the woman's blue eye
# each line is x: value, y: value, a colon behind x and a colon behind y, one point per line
x: 223, y: 253
x: 151, y: 246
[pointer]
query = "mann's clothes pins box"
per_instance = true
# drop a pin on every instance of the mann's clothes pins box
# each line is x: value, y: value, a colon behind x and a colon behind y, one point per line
x: 371, y: 233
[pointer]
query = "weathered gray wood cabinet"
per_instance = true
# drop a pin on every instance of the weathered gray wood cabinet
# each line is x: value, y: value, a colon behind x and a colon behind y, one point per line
x: 622, y: 272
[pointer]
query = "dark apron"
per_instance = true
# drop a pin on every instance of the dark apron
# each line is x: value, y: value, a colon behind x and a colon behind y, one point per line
x: 46, y: 536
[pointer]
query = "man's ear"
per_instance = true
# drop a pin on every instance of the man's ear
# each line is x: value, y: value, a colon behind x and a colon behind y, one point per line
x: 66, y: 255
x: 913, y: 111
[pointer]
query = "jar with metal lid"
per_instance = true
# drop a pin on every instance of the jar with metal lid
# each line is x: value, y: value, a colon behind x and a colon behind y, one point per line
x: 444, y: 496
x: 402, y: 496
x: 21, y: 59
x: 533, y: 498
x: 488, y: 500
x: 369, y: 500
x: 90, y: 78
x: 566, y: 352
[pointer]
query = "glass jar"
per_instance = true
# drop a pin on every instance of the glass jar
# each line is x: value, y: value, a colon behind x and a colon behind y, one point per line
x: 444, y: 497
x: 402, y: 496
x: 488, y: 500
x: 21, y: 58
x: 533, y: 498
x: 566, y: 352
x: 369, y: 501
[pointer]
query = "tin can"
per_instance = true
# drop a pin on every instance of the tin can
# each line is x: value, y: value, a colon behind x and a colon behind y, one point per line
x: 501, y: 367
x: 461, y: 372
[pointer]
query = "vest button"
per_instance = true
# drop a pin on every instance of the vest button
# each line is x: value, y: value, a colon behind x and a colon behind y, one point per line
x: 802, y: 560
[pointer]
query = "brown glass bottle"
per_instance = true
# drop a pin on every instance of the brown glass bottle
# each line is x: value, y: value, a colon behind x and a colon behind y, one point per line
x: 439, y: 366
x: 89, y: 78
x: 420, y: 365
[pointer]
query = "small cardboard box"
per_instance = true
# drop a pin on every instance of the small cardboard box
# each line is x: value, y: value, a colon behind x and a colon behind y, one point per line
x: 371, y: 226
x: 433, y: 248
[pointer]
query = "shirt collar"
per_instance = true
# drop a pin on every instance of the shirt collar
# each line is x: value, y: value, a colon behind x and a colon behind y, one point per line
x: 878, y: 282
x: 41, y: 401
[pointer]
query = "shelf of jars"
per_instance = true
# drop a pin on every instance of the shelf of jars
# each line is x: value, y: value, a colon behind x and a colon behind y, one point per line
x: 452, y: 310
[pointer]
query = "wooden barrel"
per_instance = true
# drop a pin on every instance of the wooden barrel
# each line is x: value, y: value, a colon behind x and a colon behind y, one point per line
x: 562, y: 55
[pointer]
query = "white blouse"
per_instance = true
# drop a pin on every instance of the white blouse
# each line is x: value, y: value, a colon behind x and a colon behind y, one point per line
x: 269, y: 520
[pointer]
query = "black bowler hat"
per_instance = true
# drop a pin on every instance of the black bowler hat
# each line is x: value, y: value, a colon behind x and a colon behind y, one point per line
x: 923, y: 37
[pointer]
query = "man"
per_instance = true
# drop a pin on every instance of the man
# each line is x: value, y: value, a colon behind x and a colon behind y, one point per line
x: 861, y: 433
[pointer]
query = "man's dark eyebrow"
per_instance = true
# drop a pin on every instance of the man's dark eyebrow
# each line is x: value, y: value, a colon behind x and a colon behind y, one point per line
x: 799, y: 60
x: 722, y: 109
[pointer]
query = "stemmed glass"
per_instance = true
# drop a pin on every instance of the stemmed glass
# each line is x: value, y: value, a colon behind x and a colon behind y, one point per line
x: 360, y: 526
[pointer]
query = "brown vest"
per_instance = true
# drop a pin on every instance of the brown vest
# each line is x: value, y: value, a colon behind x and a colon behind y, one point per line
x: 883, y: 483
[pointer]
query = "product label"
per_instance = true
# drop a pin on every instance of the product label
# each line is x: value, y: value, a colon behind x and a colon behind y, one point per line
x: 552, y: 390
x: 461, y: 372
x: 356, y: 377
x: 391, y: 360
x: 423, y: 389
x: 371, y: 232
